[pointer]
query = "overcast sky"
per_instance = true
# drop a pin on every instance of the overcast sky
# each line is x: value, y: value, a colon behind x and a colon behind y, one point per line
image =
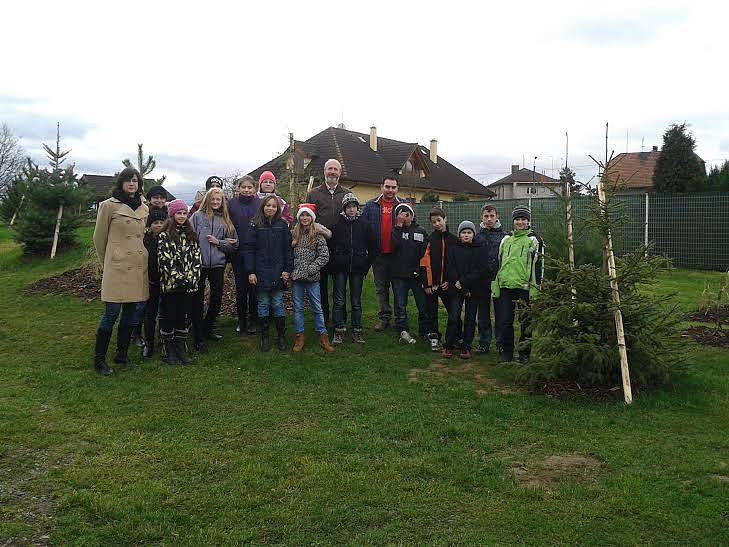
x: 216, y: 88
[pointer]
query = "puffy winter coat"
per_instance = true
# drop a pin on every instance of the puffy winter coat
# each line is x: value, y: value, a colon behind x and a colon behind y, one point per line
x: 353, y: 246
x: 150, y: 243
x: 268, y: 253
x: 213, y: 256
x: 491, y: 240
x: 179, y: 263
x: 408, y: 247
x: 518, y: 256
x: 468, y: 263
x: 123, y: 257
x: 309, y: 261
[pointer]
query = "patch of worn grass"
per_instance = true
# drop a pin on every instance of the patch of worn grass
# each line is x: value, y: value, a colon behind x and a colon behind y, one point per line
x: 381, y: 444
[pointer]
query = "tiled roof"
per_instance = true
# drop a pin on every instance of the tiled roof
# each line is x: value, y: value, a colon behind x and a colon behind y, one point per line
x: 101, y: 185
x: 634, y: 168
x: 362, y: 164
x: 524, y: 175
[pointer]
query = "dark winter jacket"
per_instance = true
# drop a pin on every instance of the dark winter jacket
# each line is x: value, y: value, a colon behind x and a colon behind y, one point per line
x: 309, y: 261
x: 353, y: 246
x: 328, y: 205
x: 372, y: 214
x: 468, y: 263
x: 491, y: 240
x: 179, y: 263
x: 242, y: 210
x: 408, y: 247
x: 150, y: 243
x: 268, y: 253
x: 213, y: 256
x: 436, y: 254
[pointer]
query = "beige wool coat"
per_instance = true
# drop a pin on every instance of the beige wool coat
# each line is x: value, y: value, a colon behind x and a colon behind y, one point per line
x: 118, y: 239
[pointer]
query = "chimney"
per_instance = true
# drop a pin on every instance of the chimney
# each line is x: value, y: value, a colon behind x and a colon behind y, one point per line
x: 373, y: 138
x: 514, y: 169
x: 434, y: 150
x: 655, y: 149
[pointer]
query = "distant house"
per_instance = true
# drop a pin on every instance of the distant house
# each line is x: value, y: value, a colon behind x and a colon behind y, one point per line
x: 102, y: 185
x: 524, y: 184
x: 366, y: 158
x: 635, y: 170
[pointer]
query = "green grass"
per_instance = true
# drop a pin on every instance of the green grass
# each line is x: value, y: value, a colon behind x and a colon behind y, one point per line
x: 374, y: 445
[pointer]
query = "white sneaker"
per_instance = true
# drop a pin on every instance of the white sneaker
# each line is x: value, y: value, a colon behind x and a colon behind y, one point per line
x: 434, y: 344
x: 405, y: 337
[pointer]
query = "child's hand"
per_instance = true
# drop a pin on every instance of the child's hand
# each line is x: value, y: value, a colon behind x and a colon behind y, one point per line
x: 428, y: 291
x: 214, y: 240
x: 252, y: 279
x: 285, y: 276
x: 445, y: 286
x: 231, y: 241
x: 458, y: 285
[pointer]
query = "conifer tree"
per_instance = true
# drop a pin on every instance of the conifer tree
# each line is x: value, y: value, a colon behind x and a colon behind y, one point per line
x: 144, y: 166
x: 678, y: 168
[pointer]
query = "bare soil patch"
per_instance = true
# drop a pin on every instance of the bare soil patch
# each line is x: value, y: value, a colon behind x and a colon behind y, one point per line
x: 708, y: 336
x: 469, y: 372
x: 710, y: 316
x: 557, y: 469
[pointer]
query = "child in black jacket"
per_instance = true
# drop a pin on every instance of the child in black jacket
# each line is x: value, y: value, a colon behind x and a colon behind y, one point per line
x: 155, y: 222
x: 408, y: 247
x: 468, y: 281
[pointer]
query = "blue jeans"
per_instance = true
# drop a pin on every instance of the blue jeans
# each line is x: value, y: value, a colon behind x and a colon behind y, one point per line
x: 401, y: 287
x: 270, y: 298
x: 453, y: 331
x: 140, y: 313
x: 310, y: 289
x: 355, y: 299
x: 112, y: 310
x: 484, y: 322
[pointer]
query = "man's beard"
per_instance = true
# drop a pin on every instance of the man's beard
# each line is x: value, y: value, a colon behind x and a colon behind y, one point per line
x: 331, y: 181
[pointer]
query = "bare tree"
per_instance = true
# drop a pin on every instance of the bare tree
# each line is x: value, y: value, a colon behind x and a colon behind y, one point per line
x: 12, y: 156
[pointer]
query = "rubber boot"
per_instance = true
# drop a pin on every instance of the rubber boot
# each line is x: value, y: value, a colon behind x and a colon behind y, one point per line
x: 102, y: 345
x: 281, y: 330
x: 169, y: 350
x: 265, y: 342
x: 181, y: 346
x: 299, y: 342
x: 123, y: 340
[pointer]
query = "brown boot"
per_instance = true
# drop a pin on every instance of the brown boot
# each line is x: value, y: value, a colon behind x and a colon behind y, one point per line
x: 324, y: 342
x: 299, y: 343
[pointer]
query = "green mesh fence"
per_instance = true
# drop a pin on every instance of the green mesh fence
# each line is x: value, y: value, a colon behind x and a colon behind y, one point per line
x: 692, y: 230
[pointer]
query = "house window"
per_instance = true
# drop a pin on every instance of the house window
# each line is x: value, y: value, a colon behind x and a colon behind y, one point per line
x: 531, y: 190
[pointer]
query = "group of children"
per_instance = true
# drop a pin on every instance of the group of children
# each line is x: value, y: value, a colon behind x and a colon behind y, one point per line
x: 465, y: 272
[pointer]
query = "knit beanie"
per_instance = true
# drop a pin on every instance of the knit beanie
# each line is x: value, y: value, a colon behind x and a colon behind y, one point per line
x: 348, y: 198
x: 306, y: 208
x: 175, y: 206
x: 404, y: 207
x: 155, y: 215
x: 466, y: 225
x: 267, y: 175
x: 213, y: 180
x: 521, y: 212
x: 156, y: 191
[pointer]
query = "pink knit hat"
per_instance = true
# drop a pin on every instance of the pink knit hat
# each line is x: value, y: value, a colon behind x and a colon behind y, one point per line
x: 175, y: 206
x: 267, y: 175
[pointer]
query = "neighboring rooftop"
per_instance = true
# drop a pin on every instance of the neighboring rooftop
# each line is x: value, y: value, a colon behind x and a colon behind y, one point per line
x: 101, y: 186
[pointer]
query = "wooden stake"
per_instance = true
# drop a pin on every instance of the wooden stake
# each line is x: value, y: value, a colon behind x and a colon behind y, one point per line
x: 15, y: 214
x: 58, y: 229
x: 612, y: 274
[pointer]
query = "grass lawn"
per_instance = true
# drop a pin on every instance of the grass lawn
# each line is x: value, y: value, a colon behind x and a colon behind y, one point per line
x: 382, y: 444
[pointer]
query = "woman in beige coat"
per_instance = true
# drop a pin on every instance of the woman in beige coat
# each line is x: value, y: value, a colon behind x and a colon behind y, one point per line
x: 118, y: 235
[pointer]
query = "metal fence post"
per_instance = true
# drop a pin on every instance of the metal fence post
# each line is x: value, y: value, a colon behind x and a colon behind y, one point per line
x: 645, y: 234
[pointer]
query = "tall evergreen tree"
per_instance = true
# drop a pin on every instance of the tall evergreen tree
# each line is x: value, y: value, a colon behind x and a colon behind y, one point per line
x: 678, y: 168
x: 718, y: 180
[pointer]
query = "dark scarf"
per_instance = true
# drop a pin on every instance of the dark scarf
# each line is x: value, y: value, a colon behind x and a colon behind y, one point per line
x: 134, y: 202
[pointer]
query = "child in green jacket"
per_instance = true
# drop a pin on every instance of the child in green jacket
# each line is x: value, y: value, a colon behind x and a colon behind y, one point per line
x: 519, y: 278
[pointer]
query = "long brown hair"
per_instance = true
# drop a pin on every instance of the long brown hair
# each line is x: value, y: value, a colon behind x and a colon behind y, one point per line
x: 299, y: 231
x: 170, y: 228
x: 207, y: 208
x: 260, y: 218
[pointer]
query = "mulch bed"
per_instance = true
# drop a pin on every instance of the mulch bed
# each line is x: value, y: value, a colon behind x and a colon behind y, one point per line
x: 710, y: 316
x: 83, y: 283
x: 708, y: 336
x: 560, y: 390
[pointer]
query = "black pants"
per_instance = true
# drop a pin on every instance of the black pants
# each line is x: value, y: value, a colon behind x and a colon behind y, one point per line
x: 509, y: 300
x: 432, y: 303
x: 456, y: 326
x: 150, y: 315
x: 177, y: 305
x: 245, y: 293
x: 202, y: 326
